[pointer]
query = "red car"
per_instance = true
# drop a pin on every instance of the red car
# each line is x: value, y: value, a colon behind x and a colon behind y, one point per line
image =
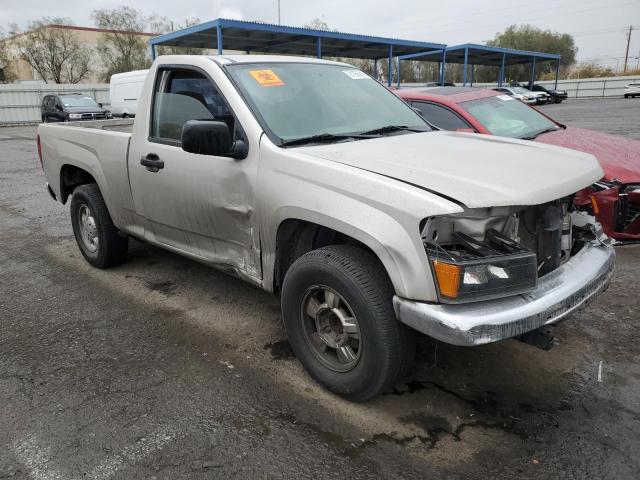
x: 615, y: 200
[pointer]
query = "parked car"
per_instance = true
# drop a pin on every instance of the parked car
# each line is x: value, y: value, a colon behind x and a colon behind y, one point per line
x: 309, y: 179
x: 615, y: 199
x: 632, y: 90
x: 554, y: 96
x: 526, y: 96
x: 124, y: 92
x: 66, y: 107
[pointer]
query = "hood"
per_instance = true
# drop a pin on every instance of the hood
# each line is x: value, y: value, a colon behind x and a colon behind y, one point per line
x: 475, y: 170
x: 619, y: 156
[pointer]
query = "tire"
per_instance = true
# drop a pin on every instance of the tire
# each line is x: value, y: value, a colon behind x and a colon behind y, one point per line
x: 45, y: 119
x: 338, y: 284
x: 97, y: 237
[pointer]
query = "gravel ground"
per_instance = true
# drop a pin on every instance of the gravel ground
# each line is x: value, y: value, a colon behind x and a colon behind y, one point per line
x: 162, y: 368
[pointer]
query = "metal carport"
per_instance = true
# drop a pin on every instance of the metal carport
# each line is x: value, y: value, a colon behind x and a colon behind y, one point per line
x: 473, y: 54
x: 284, y: 40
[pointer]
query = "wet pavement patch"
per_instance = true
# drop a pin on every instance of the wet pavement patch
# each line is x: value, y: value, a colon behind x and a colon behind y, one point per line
x: 163, y: 287
x: 280, y: 350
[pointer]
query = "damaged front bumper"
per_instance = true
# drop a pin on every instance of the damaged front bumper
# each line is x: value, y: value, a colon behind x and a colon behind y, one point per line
x: 558, y: 294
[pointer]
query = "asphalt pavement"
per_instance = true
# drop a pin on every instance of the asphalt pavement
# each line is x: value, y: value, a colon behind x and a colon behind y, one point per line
x: 163, y: 368
x: 620, y: 116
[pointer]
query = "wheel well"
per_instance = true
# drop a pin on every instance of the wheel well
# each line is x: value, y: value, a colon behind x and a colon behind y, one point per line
x: 297, y: 237
x: 72, y: 177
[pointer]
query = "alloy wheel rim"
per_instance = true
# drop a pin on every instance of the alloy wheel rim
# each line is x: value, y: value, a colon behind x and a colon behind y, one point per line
x: 88, y: 229
x: 330, y: 328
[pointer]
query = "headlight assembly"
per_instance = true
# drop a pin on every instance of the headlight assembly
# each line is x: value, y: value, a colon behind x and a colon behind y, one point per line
x: 75, y: 116
x: 471, y: 270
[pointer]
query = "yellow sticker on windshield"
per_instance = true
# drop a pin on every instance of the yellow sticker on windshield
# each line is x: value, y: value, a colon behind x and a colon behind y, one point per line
x: 266, y: 78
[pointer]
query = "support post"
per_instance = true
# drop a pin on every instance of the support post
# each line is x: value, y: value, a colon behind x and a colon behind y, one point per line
x: 398, y: 69
x: 443, y: 67
x: 390, y: 66
x: 219, y: 39
x: 501, y: 75
x: 319, y: 47
x: 557, y: 74
x: 472, y: 73
x: 464, y: 71
x: 375, y: 68
x: 152, y: 46
x: 532, y: 80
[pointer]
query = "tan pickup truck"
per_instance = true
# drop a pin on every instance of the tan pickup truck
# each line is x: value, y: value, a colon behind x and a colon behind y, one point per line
x: 311, y: 180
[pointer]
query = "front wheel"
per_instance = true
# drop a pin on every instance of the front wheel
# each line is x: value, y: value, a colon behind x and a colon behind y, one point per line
x: 96, y: 235
x: 338, y: 313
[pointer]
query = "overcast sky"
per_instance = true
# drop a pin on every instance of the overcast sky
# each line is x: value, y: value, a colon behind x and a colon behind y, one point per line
x: 598, y: 26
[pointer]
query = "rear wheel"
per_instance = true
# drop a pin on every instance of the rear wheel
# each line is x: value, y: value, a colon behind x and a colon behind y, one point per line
x: 338, y: 313
x: 97, y: 237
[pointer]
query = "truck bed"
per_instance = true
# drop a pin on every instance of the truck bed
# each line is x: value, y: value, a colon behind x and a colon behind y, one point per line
x: 98, y: 147
x: 115, y: 124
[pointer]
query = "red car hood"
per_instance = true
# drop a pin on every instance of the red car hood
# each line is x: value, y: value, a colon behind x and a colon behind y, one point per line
x: 619, y: 156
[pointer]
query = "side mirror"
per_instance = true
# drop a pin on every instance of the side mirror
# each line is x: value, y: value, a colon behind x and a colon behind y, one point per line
x: 206, y: 137
x: 100, y: 104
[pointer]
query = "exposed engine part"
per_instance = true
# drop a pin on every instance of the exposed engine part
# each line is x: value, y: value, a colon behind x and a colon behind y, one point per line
x: 553, y: 231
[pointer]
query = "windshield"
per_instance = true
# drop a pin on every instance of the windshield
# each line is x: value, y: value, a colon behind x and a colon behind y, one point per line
x: 78, y: 101
x: 295, y: 101
x: 507, y: 117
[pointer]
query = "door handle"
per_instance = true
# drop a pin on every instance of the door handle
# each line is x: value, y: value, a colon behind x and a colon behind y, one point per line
x: 152, y: 162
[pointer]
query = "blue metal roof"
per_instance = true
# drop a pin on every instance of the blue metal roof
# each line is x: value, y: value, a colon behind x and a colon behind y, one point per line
x: 487, y: 55
x: 280, y: 39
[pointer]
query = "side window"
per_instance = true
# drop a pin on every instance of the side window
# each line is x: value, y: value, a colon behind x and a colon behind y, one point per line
x: 183, y: 95
x: 441, y: 117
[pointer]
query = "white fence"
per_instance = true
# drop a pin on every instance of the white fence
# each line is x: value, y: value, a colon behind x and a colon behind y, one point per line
x: 20, y: 102
x: 579, y: 88
x: 594, y: 87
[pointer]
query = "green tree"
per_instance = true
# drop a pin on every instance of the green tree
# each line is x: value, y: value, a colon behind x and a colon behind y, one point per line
x: 122, y: 49
x: 55, y: 54
x: 528, y: 37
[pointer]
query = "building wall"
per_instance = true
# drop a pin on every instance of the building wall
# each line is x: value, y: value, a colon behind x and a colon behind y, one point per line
x: 90, y: 37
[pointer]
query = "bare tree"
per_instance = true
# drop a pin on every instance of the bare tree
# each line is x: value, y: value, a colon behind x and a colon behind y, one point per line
x: 122, y: 49
x: 54, y: 53
x: 6, y: 72
x: 164, y: 25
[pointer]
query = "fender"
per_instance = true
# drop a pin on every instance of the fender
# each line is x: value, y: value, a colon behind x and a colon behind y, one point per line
x: 382, y: 213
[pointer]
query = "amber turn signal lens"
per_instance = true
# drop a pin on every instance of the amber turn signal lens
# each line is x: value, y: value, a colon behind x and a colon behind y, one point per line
x: 594, y: 204
x: 448, y: 276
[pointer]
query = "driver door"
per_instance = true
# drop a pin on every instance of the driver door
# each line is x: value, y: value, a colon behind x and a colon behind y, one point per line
x: 200, y: 205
